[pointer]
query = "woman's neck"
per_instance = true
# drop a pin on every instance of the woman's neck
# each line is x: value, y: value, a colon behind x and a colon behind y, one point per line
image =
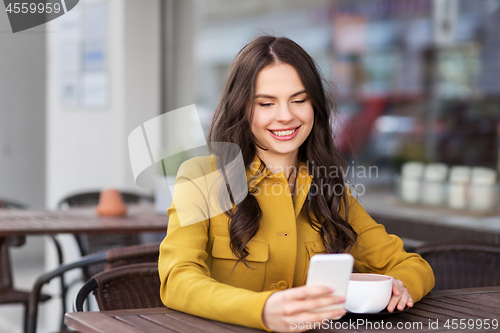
x: 277, y: 163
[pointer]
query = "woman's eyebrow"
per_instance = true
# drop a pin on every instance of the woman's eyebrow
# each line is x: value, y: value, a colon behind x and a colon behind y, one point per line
x: 298, y: 93
x: 264, y: 96
x: 274, y: 97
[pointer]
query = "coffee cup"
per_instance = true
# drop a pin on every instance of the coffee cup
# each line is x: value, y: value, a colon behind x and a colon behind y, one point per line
x: 368, y: 293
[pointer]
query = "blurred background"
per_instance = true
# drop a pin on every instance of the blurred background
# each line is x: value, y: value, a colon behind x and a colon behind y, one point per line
x: 414, y: 80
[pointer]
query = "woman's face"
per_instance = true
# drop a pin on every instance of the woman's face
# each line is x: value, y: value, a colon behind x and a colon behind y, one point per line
x: 283, y: 113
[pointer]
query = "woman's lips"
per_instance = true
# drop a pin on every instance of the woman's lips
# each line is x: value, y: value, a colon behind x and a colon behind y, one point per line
x: 285, y: 137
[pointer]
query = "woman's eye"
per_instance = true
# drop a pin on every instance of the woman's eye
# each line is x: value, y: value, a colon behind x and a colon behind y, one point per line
x: 265, y: 105
x: 299, y: 102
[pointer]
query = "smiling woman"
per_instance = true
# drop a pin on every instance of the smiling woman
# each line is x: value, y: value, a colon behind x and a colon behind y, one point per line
x: 283, y: 115
x: 248, y: 266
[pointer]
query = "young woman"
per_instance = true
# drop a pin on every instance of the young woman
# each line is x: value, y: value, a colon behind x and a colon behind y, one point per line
x: 248, y: 266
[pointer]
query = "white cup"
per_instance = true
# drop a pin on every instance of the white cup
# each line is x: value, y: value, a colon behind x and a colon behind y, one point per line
x: 483, y: 189
x: 433, y: 187
x: 457, y: 190
x: 412, y: 170
x: 483, y: 197
x: 411, y: 179
x: 457, y: 196
x: 368, y: 293
x: 410, y: 190
x: 483, y: 176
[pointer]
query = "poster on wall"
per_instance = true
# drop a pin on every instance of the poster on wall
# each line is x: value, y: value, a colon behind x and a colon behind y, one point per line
x: 82, y: 57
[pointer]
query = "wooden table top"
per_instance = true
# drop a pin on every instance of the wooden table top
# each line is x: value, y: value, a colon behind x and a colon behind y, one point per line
x: 19, y: 222
x: 440, y: 311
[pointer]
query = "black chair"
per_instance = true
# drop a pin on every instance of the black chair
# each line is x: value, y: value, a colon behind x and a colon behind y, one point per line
x: 9, y: 294
x: 133, y: 286
x: 6, y: 203
x: 465, y: 265
x: 112, y: 258
x: 89, y: 244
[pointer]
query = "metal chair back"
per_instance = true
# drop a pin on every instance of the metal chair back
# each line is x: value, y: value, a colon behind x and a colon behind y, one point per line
x: 133, y: 286
x: 89, y: 244
x: 112, y: 258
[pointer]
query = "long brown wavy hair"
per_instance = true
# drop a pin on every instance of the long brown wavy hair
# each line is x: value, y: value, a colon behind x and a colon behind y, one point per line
x: 231, y: 123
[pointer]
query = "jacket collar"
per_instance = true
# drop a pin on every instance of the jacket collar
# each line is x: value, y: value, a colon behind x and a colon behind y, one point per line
x: 258, y: 172
x: 302, y: 187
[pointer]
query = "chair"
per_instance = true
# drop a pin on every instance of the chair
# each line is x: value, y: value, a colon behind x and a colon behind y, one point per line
x: 100, y: 243
x: 463, y: 265
x: 8, y: 294
x: 112, y: 258
x: 132, y: 255
x: 97, y: 243
x: 4, y: 203
x: 133, y: 286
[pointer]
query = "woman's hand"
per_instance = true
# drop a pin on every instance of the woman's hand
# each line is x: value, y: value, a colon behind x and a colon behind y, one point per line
x: 284, y: 308
x: 400, y: 297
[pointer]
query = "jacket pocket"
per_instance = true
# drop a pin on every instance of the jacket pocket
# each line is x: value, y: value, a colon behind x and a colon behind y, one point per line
x: 312, y: 248
x: 223, y: 264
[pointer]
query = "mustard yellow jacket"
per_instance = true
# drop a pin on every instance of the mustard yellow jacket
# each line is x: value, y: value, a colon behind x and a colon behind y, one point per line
x: 196, y: 263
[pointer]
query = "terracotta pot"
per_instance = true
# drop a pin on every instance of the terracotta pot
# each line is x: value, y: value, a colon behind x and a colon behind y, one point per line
x: 111, y: 204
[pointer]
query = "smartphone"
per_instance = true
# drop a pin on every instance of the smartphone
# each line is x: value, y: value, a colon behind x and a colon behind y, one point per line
x: 331, y: 270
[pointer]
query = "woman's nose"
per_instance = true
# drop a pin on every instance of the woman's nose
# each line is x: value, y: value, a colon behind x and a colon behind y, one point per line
x: 284, y: 114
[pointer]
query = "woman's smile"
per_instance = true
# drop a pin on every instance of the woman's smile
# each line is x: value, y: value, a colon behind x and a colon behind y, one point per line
x: 285, y: 134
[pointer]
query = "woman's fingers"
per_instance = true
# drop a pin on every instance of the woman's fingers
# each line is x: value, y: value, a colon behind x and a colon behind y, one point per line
x: 305, y: 292
x: 405, y: 300
x: 392, y: 303
x: 283, y: 308
x: 396, y: 287
x: 312, y: 304
x: 396, y: 294
x: 308, y: 298
x: 306, y: 317
x: 400, y: 297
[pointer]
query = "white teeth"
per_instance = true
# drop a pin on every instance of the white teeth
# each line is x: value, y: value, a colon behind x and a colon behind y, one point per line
x: 283, y: 133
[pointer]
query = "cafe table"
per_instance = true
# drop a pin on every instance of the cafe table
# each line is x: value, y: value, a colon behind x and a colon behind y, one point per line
x: 16, y: 224
x: 472, y: 310
x: 22, y: 222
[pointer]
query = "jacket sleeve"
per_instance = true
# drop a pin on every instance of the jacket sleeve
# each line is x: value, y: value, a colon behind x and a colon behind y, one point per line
x: 186, y: 282
x: 376, y: 251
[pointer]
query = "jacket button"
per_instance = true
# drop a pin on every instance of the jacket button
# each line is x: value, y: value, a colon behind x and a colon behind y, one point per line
x: 282, y: 285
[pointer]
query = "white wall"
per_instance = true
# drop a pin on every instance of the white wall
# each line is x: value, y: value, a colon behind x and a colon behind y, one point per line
x: 143, y: 74
x: 180, y: 66
x: 22, y: 114
x: 86, y: 147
